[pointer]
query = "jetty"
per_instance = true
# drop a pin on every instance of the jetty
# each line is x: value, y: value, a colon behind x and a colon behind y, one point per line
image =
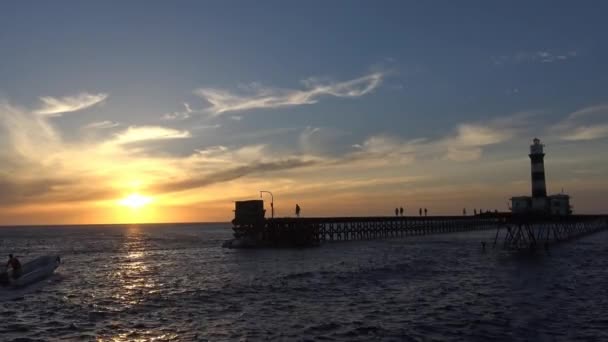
x: 312, y: 231
x: 511, y: 231
x: 537, y: 220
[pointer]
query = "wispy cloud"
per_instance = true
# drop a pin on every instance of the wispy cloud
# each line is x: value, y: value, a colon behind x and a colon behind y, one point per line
x: 541, y: 56
x: 588, y: 123
x: 467, y: 144
x: 180, y: 115
x: 587, y: 133
x: 54, y: 106
x: 257, y: 96
x: 145, y: 133
x: 102, y: 124
x: 233, y: 173
x: 464, y: 143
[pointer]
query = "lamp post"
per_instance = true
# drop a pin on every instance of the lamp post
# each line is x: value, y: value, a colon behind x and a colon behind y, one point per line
x: 271, y: 202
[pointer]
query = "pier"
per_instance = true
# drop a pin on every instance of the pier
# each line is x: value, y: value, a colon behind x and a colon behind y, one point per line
x: 315, y: 230
x: 366, y: 228
x: 533, y: 221
x: 531, y: 232
x: 512, y: 231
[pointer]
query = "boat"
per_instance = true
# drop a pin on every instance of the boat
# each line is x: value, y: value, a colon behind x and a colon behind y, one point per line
x: 32, y: 271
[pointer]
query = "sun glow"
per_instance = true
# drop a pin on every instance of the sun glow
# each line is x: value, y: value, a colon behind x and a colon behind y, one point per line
x: 135, y: 201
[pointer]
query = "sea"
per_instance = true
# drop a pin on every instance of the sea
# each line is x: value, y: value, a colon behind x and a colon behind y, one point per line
x: 175, y: 282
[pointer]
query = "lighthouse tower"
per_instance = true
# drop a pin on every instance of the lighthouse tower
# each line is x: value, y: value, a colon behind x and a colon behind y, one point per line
x: 539, y: 189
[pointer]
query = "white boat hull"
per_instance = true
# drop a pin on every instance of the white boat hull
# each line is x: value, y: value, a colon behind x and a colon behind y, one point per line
x: 35, y: 270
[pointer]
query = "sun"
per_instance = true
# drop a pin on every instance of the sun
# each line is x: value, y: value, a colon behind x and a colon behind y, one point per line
x: 135, y: 201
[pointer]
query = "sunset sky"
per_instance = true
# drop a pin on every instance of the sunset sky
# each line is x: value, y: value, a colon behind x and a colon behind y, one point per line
x: 141, y: 111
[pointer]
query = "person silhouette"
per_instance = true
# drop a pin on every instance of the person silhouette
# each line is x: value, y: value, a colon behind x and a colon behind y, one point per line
x: 297, y: 210
x: 420, y: 211
x: 474, y: 211
x: 425, y: 211
x: 464, y: 211
x: 396, y: 211
x: 401, y: 211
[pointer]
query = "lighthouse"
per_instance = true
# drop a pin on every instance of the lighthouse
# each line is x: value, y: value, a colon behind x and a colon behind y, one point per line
x: 539, y: 202
x: 537, y: 160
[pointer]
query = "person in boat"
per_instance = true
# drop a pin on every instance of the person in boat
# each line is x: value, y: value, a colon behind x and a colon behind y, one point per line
x: 14, y: 263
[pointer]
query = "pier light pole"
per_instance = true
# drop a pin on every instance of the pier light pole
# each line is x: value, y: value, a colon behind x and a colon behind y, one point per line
x: 271, y: 202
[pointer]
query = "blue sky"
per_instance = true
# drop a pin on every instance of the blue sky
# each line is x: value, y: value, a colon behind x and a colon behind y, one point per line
x: 309, y: 86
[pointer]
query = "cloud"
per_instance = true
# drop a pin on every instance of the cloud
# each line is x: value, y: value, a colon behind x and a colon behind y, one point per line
x: 469, y: 139
x: 380, y: 151
x: 145, y: 133
x: 25, y: 135
x: 53, y: 106
x: 588, y: 123
x: 320, y: 140
x: 102, y: 125
x: 207, y: 126
x: 541, y: 56
x: 233, y: 173
x: 223, y: 101
x: 465, y: 143
x: 179, y: 115
x: 14, y: 191
x: 587, y: 133
x: 589, y: 111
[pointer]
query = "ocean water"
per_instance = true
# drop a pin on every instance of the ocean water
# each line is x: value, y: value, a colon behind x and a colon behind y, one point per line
x: 175, y: 282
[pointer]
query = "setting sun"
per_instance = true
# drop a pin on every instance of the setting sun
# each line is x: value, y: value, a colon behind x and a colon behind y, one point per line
x: 135, y: 201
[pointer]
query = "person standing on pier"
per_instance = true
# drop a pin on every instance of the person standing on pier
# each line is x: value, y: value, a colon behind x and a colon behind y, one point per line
x: 425, y: 211
x: 396, y: 211
x: 297, y: 210
x: 420, y: 211
x: 401, y: 211
x: 464, y: 211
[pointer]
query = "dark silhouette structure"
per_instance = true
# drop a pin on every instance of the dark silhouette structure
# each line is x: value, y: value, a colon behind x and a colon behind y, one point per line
x: 251, y: 229
x: 297, y: 210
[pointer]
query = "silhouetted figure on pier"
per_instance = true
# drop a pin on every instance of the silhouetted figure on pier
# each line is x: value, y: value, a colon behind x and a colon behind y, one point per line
x: 464, y: 211
x: 401, y: 211
x: 474, y: 211
x: 425, y: 211
x: 297, y: 210
x: 396, y: 211
x: 420, y: 211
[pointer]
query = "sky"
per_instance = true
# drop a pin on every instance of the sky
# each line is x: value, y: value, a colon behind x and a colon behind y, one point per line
x: 169, y: 111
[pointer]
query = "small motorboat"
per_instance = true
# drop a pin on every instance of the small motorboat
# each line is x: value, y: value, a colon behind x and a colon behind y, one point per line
x: 32, y: 271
